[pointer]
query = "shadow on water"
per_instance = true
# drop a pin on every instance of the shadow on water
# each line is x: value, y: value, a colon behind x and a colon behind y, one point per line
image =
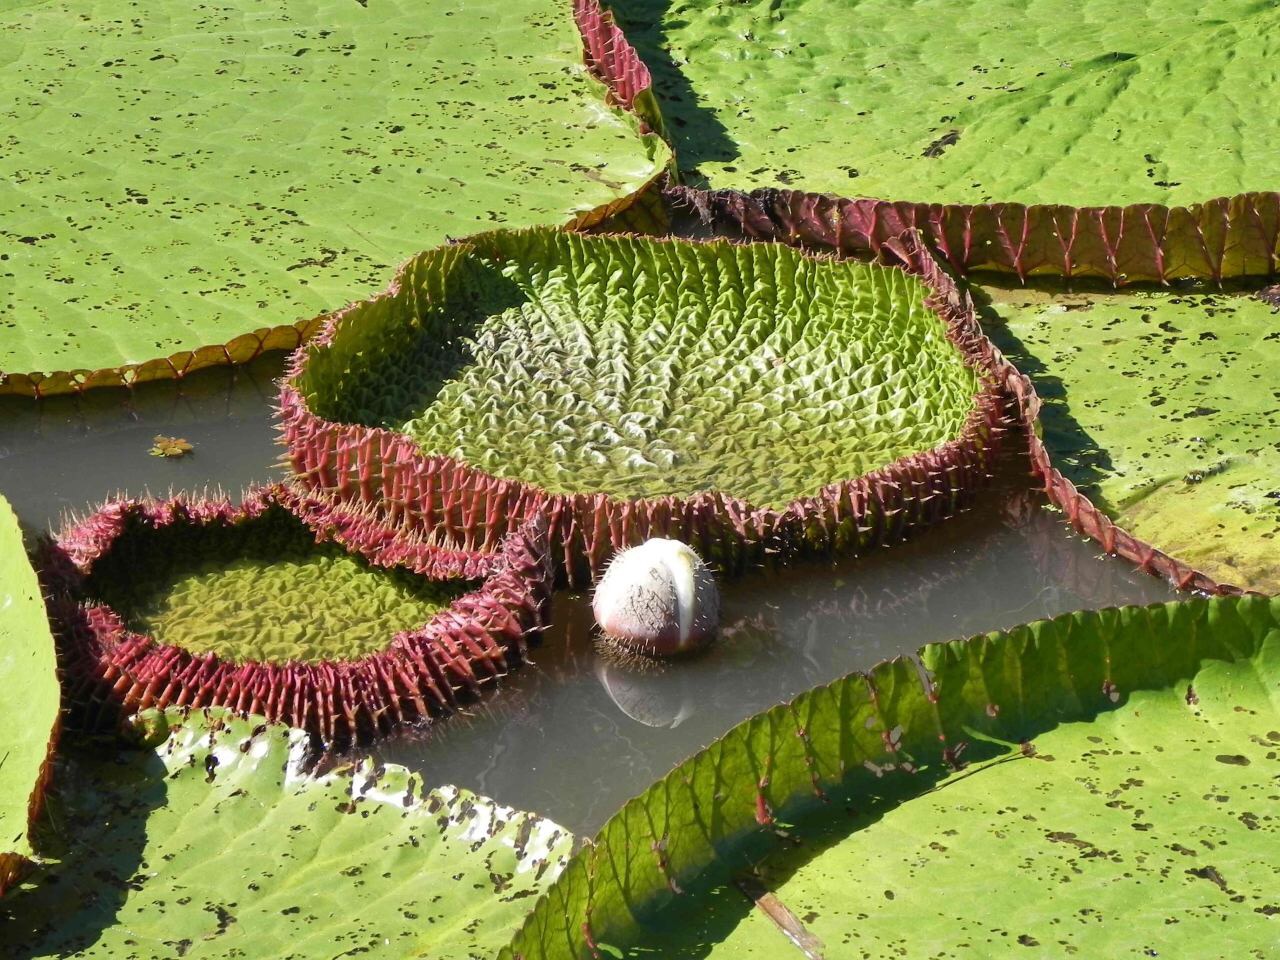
x: 1081, y: 459
x: 95, y: 828
x: 696, y: 132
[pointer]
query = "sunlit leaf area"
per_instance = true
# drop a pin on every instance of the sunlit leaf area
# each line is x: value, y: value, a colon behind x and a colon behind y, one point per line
x: 629, y: 479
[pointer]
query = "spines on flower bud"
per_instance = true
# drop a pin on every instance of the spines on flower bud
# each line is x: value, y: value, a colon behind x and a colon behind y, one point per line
x: 658, y: 599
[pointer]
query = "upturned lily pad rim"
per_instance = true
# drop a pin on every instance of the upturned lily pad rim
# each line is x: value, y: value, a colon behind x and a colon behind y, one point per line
x: 1224, y: 237
x: 918, y: 730
x: 771, y: 215
x: 614, y: 62
x: 239, y: 350
x: 1217, y: 238
x: 587, y: 528
x: 420, y: 673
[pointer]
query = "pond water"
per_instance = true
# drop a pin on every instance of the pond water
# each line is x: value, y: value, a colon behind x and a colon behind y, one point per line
x: 578, y: 731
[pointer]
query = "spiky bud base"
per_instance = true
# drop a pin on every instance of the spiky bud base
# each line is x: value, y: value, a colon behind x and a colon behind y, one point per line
x: 658, y: 599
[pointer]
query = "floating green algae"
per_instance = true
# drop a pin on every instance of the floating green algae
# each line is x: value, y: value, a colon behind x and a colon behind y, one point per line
x: 176, y: 176
x: 642, y: 368
x: 262, y: 590
x: 1161, y: 406
x: 936, y: 101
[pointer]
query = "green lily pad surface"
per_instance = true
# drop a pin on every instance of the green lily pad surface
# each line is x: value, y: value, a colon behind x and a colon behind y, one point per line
x: 1100, y: 784
x: 964, y: 102
x: 261, y: 590
x: 215, y: 845
x: 30, y: 699
x: 642, y: 368
x: 1164, y: 408
x: 175, y: 176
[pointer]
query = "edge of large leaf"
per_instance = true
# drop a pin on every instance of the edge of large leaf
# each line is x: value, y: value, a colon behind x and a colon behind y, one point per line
x: 22, y: 609
x: 900, y: 727
x: 626, y: 87
x: 227, y: 758
x: 1225, y: 237
x: 1236, y: 236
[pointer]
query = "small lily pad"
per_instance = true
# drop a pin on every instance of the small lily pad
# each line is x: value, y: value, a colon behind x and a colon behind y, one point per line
x: 209, y: 603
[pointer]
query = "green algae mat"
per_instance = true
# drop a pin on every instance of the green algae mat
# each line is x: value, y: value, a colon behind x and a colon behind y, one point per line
x: 1161, y: 406
x: 261, y: 590
x: 1100, y: 784
x: 214, y: 844
x: 643, y: 368
x: 962, y: 102
x: 178, y: 177
x: 30, y: 699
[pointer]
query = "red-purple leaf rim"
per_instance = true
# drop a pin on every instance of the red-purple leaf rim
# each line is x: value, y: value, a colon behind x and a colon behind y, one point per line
x: 385, y: 476
x: 810, y: 221
x: 1226, y: 237
x: 422, y: 671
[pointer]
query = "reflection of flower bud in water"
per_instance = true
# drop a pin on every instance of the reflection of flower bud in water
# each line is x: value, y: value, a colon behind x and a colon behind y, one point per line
x: 658, y: 599
x: 654, y: 697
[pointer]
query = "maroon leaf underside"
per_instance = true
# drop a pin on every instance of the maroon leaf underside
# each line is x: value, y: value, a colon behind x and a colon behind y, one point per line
x: 1225, y: 237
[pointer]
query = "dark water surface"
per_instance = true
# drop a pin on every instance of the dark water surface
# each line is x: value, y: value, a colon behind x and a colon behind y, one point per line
x: 578, y: 732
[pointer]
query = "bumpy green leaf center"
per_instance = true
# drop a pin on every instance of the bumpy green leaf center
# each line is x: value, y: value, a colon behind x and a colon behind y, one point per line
x: 640, y: 368
x: 262, y: 590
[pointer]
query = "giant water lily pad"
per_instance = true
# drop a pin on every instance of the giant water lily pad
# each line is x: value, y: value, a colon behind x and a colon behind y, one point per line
x: 945, y: 102
x: 178, y: 178
x: 577, y: 374
x: 262, y: 591
x: 30, y: 698
x: 1162, y: 407
x: 1100, y: 784
x: 216, y: 845
x: 206, y: 602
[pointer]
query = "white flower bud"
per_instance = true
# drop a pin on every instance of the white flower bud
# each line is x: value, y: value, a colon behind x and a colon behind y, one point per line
x: 658, y: 599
